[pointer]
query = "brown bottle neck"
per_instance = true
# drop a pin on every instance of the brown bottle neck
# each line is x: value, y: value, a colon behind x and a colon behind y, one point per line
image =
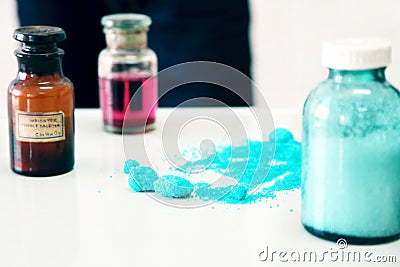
x: 40, y: 64
x: 40, y: 67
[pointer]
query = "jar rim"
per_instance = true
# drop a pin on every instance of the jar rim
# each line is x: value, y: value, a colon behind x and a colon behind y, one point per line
x: 126, y: 21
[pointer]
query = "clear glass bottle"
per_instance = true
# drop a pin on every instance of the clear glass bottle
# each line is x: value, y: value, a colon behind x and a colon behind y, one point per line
x: 41, y: 105
x: 351, y: 147
x: 126, y: 69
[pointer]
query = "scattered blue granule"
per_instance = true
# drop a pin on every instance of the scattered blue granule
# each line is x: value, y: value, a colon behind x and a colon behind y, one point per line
x: 208, y: 193
x: 252, y: 164
x: 257, y: 163
x: 288, y: 152
x: 133, y: 185
x: 131, y: 163
x: 239, y: 191
x: 201, y: 184
x: 281, y: 135
x: 142, y: 178
x: 231, y: 194
x: 173, y: 186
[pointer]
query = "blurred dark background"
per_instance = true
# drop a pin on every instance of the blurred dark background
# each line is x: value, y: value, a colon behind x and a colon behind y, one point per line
x: 181, y: 31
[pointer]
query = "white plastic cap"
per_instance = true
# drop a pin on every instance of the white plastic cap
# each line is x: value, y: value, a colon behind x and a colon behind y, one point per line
x: 357, y: 54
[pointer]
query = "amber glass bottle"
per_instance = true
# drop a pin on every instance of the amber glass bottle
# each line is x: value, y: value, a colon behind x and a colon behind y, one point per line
x: 41, y: 105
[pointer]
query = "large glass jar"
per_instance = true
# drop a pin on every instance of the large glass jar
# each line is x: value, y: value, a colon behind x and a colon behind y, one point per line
x: 351, y: 147
x: 41, y: 105
x: 128, y: 90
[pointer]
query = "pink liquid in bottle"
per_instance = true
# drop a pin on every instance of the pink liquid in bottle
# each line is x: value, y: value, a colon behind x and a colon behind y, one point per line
x: 119, y: 111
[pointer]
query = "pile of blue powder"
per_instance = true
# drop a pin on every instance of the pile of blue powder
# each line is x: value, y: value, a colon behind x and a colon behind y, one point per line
x: 259, y: 169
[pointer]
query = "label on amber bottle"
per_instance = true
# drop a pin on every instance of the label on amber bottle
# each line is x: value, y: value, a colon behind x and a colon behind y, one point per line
x: 39, y: 127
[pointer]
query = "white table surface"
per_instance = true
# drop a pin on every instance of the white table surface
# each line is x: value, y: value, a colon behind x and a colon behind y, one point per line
x: 90, y: 217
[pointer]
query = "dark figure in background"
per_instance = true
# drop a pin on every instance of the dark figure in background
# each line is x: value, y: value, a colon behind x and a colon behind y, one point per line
x: 182, y: 31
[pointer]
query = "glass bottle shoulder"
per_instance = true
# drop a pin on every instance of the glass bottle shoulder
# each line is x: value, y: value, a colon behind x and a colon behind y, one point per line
x: 127, y: 62
x: 108, y: 55
x: 37, y: 85
x: 352, y: 108
x: 330, y: 93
